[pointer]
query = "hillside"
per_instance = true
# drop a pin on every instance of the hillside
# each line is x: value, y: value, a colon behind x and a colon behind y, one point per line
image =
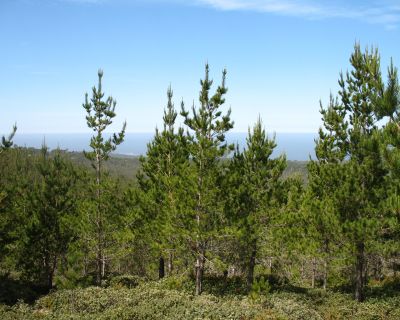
x: 126, y: 166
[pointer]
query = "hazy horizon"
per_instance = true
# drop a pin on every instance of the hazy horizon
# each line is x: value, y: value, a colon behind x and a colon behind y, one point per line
x: 296, y: 146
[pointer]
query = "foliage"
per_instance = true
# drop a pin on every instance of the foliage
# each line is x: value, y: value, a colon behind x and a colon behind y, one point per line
x: 50, y: 211
x: 6, y: 142
x: 149, y: 301
x: 100, y: 113
x: 253, y: 181
x: 207, y: 128
x: 349, y: 178
x: 162, y: 183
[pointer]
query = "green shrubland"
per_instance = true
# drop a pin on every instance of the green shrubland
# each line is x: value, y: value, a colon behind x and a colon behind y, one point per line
x: 161, y: 300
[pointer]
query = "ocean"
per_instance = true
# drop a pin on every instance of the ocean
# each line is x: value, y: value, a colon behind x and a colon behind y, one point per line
x: 296, y: 146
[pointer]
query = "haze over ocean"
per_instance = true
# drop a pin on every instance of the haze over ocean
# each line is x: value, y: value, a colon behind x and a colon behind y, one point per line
x: 297, y: 146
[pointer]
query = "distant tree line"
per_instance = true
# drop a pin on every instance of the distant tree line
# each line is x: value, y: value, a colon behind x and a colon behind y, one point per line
x: 201, y: 207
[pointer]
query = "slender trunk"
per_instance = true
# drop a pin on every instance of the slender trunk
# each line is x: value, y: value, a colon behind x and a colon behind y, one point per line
x: 326, y: 251
x: 161, y: 268
x: 103, y: 266
x: 49, y: 269
x: 200, y: 249
x: 302, y: 270
x: 199, y: 271
x: 50, y: 281
x: 85, y: 261
x: 52, y: 270
x: 99, y: 266
x: 50, y: 265
x: 359, y: 279
x: 325, y: 273
x: 252, y: 264
x: 314, y: 271
x: 170, y: 263
x: 99, y: 257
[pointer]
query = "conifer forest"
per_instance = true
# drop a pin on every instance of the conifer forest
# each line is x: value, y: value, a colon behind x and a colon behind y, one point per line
x: 208, y: 229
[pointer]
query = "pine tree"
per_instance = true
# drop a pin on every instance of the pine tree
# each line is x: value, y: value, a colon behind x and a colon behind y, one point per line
x: 162, y: 179
x: 17, y: 172
x: 51, y: 207
x: 254, y: 177
x: 351, y: 142
x: 388, y: 109
x: 6, y: 142
x: 321, y: 217
x: 207, y: 146
x: 100, y: 113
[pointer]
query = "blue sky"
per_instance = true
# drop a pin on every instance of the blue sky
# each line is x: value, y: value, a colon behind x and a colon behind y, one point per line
x: 282, y: 57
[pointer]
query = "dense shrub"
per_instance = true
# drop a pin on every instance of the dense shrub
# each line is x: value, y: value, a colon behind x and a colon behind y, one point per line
x: 152, y: 300
x: 143, y: 302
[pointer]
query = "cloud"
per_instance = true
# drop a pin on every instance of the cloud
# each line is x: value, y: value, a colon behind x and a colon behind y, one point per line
x: 385, y: 13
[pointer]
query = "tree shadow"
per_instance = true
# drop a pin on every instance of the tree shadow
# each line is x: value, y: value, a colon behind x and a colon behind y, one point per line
x: 14, y: 290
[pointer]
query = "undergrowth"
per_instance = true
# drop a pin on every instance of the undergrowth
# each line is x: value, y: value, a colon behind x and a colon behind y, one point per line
x: 172, y: 298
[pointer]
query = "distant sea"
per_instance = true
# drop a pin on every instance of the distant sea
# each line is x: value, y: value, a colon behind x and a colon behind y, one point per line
x: 296, y: 146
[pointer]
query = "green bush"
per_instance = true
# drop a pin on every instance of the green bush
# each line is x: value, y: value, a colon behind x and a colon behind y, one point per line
x: 143, y: 302
x: 260, y: 287
x: 153, y: 300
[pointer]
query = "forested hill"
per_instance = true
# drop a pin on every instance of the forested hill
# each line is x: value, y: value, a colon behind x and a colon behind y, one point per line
x: 126, y: 166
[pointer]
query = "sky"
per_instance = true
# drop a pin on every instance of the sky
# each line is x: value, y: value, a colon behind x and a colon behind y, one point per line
x: 282, y: 57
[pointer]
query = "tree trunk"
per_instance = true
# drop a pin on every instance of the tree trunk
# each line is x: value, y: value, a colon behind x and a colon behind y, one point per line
x: 85, y: 261
x: 359, y: 279
x: 50, y: 268
x: 100, y: 263
x: 252, y: 264
x: 199, y: 271
x: 103, y: 266
x: 170, y: 263
x: 314, y: 271
x: 99, y: 267
x: 326, y: 251
x: 50, y: 279
x: 365, y: 278
x: 325, y: 273
x: 161, y: 268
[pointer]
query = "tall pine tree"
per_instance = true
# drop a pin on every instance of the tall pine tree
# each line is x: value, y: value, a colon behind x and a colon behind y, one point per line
x: 207, y: 126
x: 255, y: 176
x: 162, y: 179
x: 351, y: 142
x: 100, y: 113
x: 388, y: 109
